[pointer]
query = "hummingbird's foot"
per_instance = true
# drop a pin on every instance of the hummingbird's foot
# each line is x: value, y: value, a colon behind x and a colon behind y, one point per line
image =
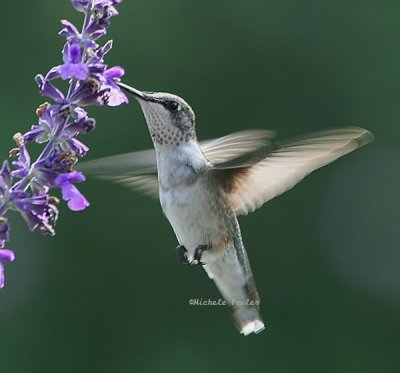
x: 198, y: 252
x: 182, y: 254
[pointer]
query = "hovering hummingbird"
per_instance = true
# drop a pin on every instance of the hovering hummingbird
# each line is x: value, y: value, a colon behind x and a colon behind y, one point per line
x: 204, y: 186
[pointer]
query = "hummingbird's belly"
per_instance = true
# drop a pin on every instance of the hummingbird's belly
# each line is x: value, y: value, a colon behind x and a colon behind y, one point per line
x: 198, y: 216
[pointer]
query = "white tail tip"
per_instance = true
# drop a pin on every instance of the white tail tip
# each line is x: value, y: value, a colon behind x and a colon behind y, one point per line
x: 255, y: 326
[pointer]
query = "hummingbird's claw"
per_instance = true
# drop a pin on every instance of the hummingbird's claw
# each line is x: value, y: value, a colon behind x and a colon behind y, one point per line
x: 182, y: 254
x: 197, y: 255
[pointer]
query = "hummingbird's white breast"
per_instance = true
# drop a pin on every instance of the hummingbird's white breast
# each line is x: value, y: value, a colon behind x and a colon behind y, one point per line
x: 193, y: 204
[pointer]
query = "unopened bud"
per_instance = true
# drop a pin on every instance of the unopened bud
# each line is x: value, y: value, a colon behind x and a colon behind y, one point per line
x: 68, y: 159
x: 53, y: 200
x: 89, y: 125
x: 19, y: 139
x: 41, y: 109
x: 93, y: 85
x: 90, y: 52
x: 13, y: 153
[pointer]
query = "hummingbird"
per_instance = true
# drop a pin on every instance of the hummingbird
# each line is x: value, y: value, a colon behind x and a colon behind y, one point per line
x: 204, y: 186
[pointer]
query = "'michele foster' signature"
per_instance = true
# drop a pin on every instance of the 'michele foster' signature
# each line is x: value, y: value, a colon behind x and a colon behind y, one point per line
x: 222, y: 302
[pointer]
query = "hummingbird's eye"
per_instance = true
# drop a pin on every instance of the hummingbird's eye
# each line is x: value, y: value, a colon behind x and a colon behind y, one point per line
x: 173, y: 106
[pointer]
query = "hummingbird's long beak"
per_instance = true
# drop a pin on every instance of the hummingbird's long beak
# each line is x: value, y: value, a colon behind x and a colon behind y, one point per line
x: 133, y: 91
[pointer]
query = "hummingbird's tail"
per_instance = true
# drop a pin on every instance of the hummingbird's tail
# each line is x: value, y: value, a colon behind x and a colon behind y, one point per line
x: 232, y: 274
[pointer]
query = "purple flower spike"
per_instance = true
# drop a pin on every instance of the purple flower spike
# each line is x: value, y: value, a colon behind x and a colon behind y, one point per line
x: 25, y: 187
x: 73, y: 67
x: 71, y: 194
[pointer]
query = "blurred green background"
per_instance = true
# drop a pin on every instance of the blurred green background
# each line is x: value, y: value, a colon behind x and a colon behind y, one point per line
x: 107, y: 293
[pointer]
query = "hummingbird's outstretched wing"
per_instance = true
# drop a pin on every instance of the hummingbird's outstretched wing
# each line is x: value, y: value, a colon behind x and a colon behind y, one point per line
x: 138, y: 170
x: 249, y: 187
x: 251, y: 168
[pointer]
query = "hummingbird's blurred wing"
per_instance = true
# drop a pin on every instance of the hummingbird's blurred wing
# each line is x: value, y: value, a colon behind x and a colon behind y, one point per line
x: 251, y: 168
x: 239, y: 148
x: 138, y: 170
x: 249, y: 187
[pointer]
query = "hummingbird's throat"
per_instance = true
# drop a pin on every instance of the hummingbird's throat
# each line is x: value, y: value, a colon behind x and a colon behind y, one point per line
x: 169, y: 136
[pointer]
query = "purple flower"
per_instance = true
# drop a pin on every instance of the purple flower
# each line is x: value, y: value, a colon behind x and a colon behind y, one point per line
x: 82, y: 125
x: 100, y: 89
x: 71, y: 33
x: 5, y: 255
x: 83, y: 5
x: 115, y: 95
x: 79, y: 113
x: 21, y: 167
x: 49, y: 168
x: 107, y: 7
x: 49, y: 90
x: 98, y: 24
x: 87, y: 93
x: 98, y: 56
x: 76, y: 200
x: 80, y: 5
x: 105, y: 3
x: 73, y: 66
x: 5, y: 180
x: 8, y: 256
x: 51, y: 119
x: 37, y: 211
x: 75, y: 146
x: 34, y: 134
x: 49, y: 124
x: 4, y: 232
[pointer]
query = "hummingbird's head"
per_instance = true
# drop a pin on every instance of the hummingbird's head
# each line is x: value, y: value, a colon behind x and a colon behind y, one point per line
x: 170, y: 118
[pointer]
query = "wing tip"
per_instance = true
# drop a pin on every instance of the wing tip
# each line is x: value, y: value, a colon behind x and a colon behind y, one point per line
x: 365, y: 136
